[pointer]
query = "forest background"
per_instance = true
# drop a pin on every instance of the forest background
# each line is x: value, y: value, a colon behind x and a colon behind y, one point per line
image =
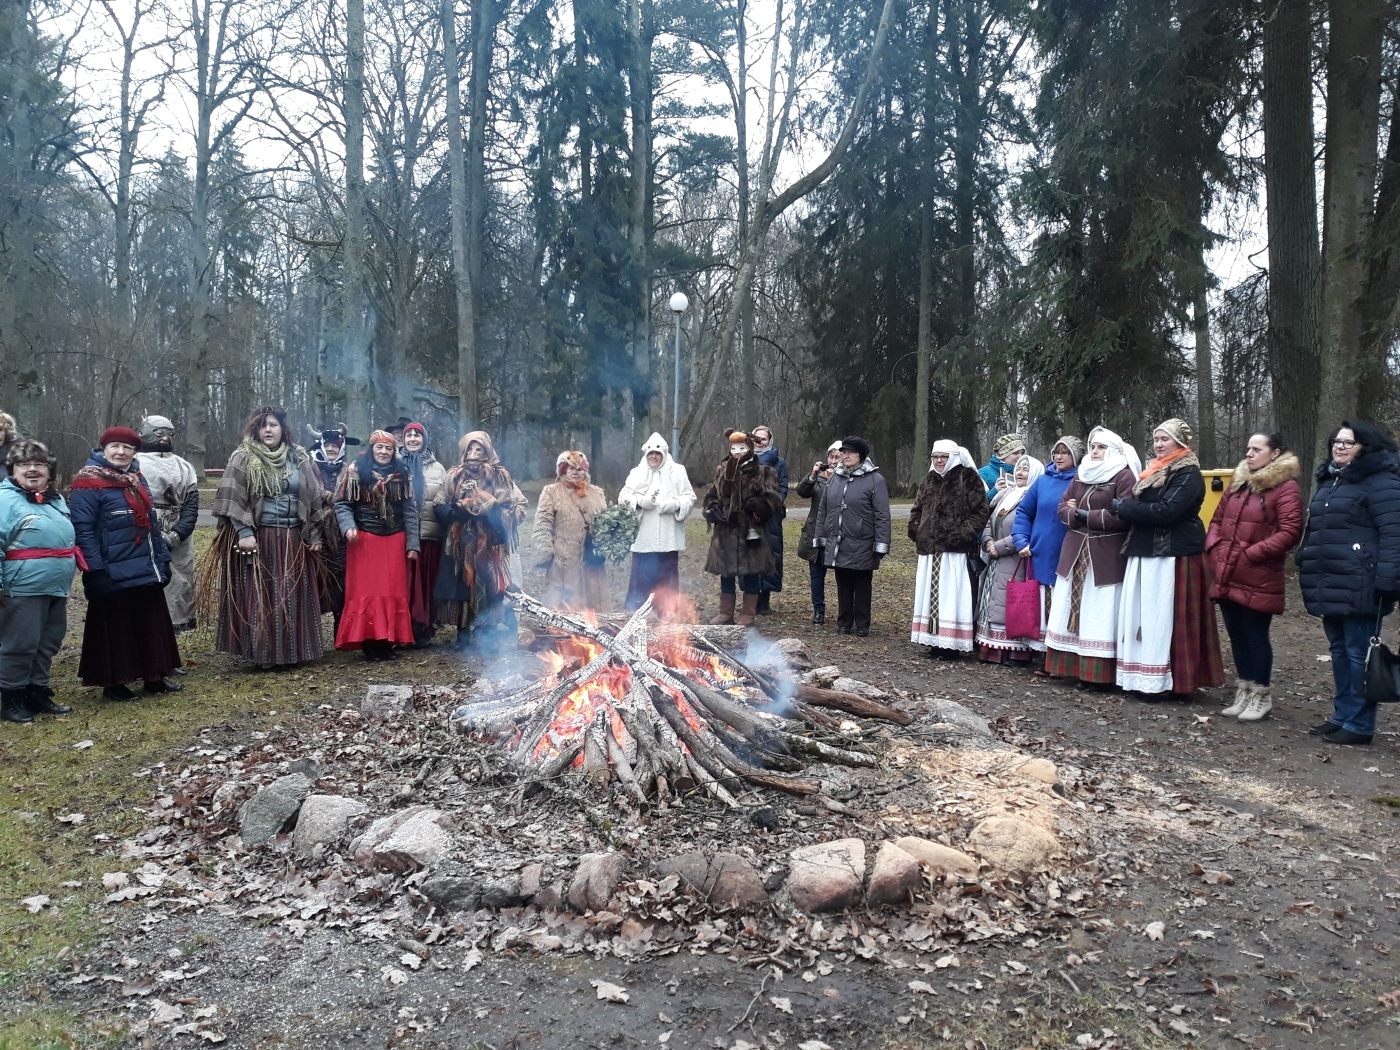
x: 906, y: 219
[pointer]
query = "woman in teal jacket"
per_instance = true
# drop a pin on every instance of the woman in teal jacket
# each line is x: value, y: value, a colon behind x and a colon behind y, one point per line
x: 36, y: 575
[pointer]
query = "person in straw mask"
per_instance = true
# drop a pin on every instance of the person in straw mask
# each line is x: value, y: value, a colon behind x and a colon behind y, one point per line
x: 1005, y: 563
x: 946, y: 523
x: 1081, y: 636
x: 1038, y: 531
x: 1167, y: 638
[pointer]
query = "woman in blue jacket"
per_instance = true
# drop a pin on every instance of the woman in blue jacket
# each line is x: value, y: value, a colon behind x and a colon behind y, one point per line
x: 36, y: 538
x: 1038, y: 532
x: 128, y: 633
x: 1349, y: 565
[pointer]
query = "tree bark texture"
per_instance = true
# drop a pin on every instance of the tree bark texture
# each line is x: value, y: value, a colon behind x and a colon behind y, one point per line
x: 1205, y: 384
x: 457, y: 202
x: 353, y: 329
x: 1294, y: 260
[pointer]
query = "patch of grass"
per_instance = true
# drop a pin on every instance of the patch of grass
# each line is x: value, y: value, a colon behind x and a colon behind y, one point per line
x: 1387, y: 800
x: 53, y: 1030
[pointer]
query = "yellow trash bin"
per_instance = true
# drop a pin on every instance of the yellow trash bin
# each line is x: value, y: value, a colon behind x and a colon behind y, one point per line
x: 1217, y: 481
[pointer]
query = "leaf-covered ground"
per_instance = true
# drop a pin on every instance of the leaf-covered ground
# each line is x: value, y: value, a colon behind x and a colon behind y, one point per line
x: 1233, y: 885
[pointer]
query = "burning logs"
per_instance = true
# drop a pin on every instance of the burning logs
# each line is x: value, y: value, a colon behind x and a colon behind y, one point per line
x: 660, y: 710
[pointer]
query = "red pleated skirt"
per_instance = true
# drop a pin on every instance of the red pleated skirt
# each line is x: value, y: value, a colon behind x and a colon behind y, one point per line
x: 376, y: 592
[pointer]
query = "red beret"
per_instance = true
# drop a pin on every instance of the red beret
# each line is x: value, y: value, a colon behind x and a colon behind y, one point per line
x: 125, y: 435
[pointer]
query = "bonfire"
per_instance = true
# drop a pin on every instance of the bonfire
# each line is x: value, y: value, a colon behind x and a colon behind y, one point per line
x: 663, y: 710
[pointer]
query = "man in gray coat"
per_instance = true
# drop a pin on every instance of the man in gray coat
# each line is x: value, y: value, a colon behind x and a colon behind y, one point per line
x: 853, y: 532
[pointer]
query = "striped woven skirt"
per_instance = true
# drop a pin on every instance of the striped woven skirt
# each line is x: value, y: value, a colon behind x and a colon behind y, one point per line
x: 1081, y: 637
x: 269, y: 604
x: 1167, y: 637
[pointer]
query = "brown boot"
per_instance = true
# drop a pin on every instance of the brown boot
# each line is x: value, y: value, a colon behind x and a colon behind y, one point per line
x: 750, y: 611
x: 726, y: 609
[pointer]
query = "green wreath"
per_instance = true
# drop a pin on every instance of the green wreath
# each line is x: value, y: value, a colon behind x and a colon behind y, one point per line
x: 613, y: 530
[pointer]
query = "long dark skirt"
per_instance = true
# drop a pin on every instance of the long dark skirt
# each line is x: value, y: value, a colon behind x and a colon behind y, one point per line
x: 658, y: 574
x: 128, y: 636
x: 269, y: 606
x: 422, y: 578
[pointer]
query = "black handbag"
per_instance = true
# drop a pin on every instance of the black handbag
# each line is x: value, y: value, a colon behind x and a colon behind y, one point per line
x: 1381, y: 684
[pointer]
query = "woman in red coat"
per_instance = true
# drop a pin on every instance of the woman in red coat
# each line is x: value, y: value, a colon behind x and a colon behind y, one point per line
x: 1259, y: 520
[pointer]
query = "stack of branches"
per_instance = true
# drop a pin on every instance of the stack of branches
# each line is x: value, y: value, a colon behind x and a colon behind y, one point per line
x: 662, y: 728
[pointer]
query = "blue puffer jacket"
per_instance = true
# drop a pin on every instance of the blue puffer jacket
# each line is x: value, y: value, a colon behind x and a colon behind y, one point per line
x: 1351, y: 546
x: 119, y: 554
x: 1038, y: 523
x: 27, y: 523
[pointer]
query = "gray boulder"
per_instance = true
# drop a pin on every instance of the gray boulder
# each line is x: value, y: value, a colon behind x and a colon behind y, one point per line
x: 414, y: 838
x: 385, y: 701
x: 272, y: 809
x: 323, y: 822
x: 595, y: 881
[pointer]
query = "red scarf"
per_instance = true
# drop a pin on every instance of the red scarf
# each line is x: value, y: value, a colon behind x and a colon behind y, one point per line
x: 137, y: 498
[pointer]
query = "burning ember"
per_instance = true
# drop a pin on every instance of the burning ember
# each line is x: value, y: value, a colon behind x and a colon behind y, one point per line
x: 662, y: 711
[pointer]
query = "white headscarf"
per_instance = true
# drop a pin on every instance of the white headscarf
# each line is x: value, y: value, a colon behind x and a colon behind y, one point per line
x: 957, y: 456
x: 1120, y: 454
x: 1007, y: 498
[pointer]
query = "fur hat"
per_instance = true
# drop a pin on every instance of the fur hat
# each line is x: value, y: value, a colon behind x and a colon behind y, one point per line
x: 569, y: 459
x: 1008, y: 444
x: 857, y: 445
x: 125, y: 435
x: 27, y: 451
x: 1178, y: 430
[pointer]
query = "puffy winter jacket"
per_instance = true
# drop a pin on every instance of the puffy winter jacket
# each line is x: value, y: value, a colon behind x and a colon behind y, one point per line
x: 1165, y: 518
x: 853, y: 521
x: 1038, y: 525
x: 1351, y: 546
x: 27, y: 523
x: 120, y: 554
x: 1257, y: 523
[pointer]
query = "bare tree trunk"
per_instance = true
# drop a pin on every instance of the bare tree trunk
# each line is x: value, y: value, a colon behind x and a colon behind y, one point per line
x: 1205, y: 384
x: 485, y: 17
x: 768, y: 211
x: 1382, y: 294
x: 741, y: 130
x: 1291, y: 187
x: 639, y: 236
x: 354, y: 330
x: 1356, y: 29
x: 923, y: 372
x: 457, y: 196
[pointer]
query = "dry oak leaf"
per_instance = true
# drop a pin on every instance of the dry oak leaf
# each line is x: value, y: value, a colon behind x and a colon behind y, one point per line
x: 1390, y: 1000
x: 34, y: 905
x: 1154, y: 930
x: 780, y: 1003
x: 612, y: 993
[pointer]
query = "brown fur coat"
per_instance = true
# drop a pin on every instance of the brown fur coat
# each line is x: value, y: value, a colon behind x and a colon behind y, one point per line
x: 732, y: 553
x: 949, y: 512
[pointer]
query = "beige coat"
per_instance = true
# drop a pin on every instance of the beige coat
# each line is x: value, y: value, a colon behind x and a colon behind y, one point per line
x: 557, y: 546
x: 434, y: 474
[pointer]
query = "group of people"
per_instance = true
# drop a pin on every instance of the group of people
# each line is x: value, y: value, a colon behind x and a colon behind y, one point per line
x: 1090, y: 567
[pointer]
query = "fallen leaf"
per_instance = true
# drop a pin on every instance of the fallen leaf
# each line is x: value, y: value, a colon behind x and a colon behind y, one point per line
x: 1182, y: 1027
x: 824, y: 967
x: 165, y: 1013
x: 612, y: 993
x: 664, y: 1037
x: 72, y: 818
x: 393, y: 975
x: 1215, y: 878
x: 410, y: 960
x: 36, y: 903
x: 945, y: 961
x: 1202, y: 935
x: 211, y: 1037
x: 808, y: 976
x: 813, y: 1044
x: 1154, y: 930
x: 922, y: 987
x: 472, y: 960
x: 1390, y: 1000
x: 82, y: 745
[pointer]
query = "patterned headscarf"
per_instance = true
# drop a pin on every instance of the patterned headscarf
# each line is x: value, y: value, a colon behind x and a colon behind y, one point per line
x: 1007, y: 444
x: 1075, y: 446
x: 1178, y: 430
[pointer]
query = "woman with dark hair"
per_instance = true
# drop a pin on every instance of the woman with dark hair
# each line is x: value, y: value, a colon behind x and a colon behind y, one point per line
x: 269, y: 506
x: 378, y: 517
x: 742, y: 500
x: 1257, y: 523
x: 480, y: 509
x: 39, y: 553
x: 1349, y: 565
x: 426, y: 475
x: 128, y: 633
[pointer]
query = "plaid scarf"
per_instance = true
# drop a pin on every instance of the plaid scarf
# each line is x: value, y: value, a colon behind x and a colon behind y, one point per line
x: 138, y: 499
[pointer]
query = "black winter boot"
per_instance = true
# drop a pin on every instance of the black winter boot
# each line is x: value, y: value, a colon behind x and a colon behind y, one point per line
x: 39, y: 699
x: 819, y: 614
x: 765, y: 607
x: 13, y: 707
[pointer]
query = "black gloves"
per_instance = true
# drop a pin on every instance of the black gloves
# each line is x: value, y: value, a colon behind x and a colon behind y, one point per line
x: 1116, y: 504
x: 1081, y: 515
x: 713, y: 514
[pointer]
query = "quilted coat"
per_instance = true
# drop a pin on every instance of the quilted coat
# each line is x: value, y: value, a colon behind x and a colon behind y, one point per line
x: 949, y: 512
x: 1351, y: 546
x: 120, y: 555
x: 853, y: 520
x: 1257, y: 523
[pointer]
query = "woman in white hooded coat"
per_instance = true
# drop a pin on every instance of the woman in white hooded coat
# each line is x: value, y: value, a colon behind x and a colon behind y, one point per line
x: 660, y: 492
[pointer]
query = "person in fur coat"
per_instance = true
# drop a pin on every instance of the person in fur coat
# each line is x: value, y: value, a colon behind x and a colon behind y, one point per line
x: 740, y: 503
x: 575, y: 578
x: 946, y: 523
x: 1259, y: 520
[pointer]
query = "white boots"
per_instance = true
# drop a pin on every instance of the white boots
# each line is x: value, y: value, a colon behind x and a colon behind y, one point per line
x: 1252, y: 702
x: 1260, y: 703
x: 1242, y: 695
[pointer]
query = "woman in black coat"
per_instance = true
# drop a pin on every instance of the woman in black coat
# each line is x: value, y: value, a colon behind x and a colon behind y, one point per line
x: 853, y: 533
x: 1349, y: 565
